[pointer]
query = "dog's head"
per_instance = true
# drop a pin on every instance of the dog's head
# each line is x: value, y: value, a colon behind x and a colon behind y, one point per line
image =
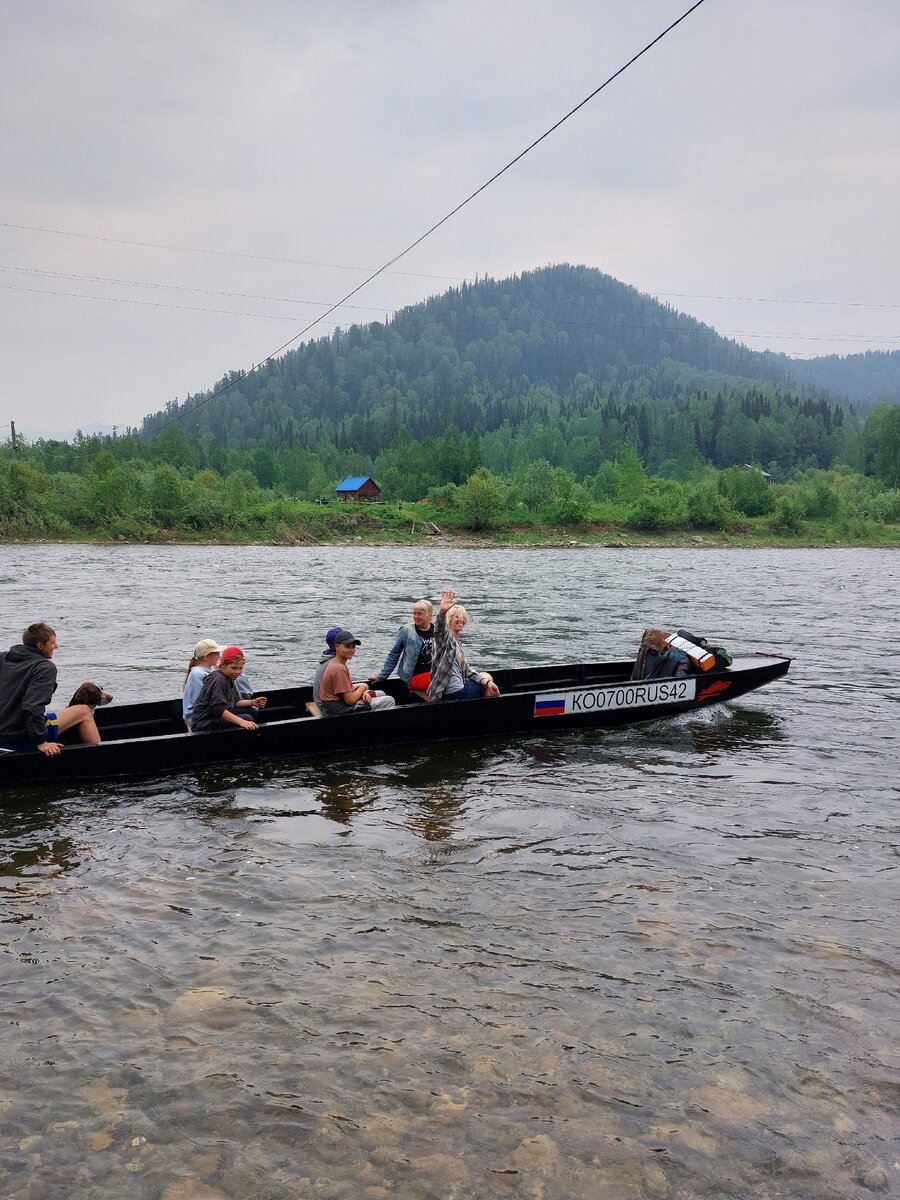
x: 91, y: 694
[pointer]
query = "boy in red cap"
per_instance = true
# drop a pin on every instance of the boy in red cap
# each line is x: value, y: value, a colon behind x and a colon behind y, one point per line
x: 216, y: 706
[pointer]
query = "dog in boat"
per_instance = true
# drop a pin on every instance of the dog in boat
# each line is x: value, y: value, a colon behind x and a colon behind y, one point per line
x: 91, y: 694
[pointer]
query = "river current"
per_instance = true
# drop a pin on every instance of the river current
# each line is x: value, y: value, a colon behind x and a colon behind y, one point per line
x: 655, y: 962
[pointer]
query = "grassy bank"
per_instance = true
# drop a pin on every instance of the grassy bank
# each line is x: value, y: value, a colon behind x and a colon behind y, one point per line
x: 301, y: 523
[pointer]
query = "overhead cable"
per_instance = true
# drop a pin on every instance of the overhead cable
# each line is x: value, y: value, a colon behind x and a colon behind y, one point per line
x: 411, y: 274
x: 175, y: 287
x: 775, y: 300
x: 699, y: 331
x: 298, y: 262
x: 453, y: 211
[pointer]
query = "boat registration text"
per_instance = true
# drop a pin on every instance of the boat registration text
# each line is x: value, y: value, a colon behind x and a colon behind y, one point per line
x: 628, y: 695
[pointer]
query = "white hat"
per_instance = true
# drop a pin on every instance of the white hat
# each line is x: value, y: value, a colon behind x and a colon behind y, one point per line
x: 207, y: 646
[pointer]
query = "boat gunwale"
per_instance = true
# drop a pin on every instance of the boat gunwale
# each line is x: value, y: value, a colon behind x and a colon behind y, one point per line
x: 37, y: 769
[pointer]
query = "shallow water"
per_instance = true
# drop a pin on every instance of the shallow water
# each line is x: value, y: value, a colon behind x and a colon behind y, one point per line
x: 656, y: 962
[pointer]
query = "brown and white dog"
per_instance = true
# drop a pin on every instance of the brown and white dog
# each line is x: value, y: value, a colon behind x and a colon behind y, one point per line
x: 91, y: 694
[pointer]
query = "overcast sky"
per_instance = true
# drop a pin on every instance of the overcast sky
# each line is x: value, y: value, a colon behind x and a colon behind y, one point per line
x: 186, y: 184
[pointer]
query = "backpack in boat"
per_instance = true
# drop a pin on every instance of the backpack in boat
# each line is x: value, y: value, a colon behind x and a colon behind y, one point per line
x: 664, y: 655
x: 721, y: 659
x: 656, y: 659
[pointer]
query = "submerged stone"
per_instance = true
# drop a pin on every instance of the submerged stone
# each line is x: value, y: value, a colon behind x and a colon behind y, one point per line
x: 535, y: 1152
x: 193, y: 1189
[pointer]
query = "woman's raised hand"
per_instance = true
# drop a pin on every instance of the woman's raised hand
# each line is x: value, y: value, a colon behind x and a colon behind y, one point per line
x: 448, y: 599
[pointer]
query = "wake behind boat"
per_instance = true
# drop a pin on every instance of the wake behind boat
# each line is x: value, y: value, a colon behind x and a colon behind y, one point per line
x: 150, y: 739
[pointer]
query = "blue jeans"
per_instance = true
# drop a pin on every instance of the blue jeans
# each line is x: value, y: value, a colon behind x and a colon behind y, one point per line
x: 472, y: 691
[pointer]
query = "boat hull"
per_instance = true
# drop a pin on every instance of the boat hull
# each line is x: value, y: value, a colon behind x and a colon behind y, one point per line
x: 148, y: 739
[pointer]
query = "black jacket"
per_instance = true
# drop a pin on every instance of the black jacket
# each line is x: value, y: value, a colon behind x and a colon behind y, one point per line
x: 27, y: 684
x: 217, y: 693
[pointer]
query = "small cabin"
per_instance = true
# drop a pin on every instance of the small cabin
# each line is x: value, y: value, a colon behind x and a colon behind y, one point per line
x: 765, y: 474
x: 358, y: 487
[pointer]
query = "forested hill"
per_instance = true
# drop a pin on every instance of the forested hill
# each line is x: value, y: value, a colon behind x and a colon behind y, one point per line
x: 563, y: 363
x: 864, y: 379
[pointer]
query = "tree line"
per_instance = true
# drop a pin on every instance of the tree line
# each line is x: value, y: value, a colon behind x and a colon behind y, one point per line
x: 549, y: 384
x: 128, y: 488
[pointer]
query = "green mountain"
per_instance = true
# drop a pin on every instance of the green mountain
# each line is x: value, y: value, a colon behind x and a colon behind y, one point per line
x: 563, y: 363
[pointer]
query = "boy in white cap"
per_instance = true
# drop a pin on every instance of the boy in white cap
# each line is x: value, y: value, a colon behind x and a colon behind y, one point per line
x: 204, y: 659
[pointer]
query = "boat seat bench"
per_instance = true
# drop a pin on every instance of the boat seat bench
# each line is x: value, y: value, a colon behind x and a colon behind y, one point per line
x: 131, y: 729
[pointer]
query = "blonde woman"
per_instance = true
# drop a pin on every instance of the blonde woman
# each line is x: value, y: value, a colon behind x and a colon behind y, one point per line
x: 451, y: 676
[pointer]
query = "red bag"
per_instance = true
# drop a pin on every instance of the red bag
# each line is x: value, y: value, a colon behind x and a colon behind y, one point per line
x: 421, y: 682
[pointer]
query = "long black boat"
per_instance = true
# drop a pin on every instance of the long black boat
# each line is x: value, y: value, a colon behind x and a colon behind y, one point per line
x: 150, y: 739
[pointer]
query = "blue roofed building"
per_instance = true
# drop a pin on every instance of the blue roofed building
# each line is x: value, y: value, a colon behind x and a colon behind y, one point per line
x: 358, y: 487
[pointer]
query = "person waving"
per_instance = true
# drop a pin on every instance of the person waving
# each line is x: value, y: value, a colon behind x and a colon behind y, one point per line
x: 452, y: 678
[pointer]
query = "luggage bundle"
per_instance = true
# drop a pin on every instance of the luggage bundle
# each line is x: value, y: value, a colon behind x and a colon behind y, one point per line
x: 664, y: 655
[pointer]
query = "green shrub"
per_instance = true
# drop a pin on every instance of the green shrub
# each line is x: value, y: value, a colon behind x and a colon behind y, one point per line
x: 707, y: 508
x: 885, y: 507
x: 165, y: 495
x: 67, y: 501
x: 205, y: 509
x: 854, y: 528
x: 23, y: 498
x: 605, y: 484
x: 747, y: 491
x: 789, y: 512
x: 483, y: 500
x: 116, y: 495
x: 126, y: 528
x: 820, y: 501
x: 571, y: 502
x: 538, y: 485
x: 447, y: 493
x: 658, y: 508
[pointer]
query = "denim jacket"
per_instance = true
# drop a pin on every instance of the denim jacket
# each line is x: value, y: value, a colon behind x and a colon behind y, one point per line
x: 404, y: 651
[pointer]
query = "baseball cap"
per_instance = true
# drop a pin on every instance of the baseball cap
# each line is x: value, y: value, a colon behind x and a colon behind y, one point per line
x: 206, y: 646
x: 346, y: 638
x: 230, y: 653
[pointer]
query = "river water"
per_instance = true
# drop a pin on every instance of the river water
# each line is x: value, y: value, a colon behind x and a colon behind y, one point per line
x: 656, y: 962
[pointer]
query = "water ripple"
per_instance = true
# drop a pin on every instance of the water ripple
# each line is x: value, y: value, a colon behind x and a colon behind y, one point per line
x: 662, y: 961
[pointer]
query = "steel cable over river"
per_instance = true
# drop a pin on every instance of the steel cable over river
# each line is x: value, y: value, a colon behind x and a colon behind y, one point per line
x: 649, y: 962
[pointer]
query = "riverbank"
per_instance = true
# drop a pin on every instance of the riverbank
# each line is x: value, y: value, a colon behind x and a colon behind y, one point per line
x: 507, y: 537
x: 108, y: 504
x: 305, y: 523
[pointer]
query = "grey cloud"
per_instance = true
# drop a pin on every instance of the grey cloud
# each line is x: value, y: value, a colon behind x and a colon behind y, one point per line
x: 751, y: 151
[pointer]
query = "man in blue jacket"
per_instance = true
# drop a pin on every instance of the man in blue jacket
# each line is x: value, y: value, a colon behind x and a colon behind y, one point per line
x: 412, y: 650
x: 27, y: 684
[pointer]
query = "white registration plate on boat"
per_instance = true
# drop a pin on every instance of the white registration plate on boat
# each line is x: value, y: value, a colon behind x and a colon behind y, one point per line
x: 627, y: 695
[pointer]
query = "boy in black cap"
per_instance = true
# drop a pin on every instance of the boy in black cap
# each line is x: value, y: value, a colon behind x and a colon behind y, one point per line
x: 338, y: 694
x: 327, y: 657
